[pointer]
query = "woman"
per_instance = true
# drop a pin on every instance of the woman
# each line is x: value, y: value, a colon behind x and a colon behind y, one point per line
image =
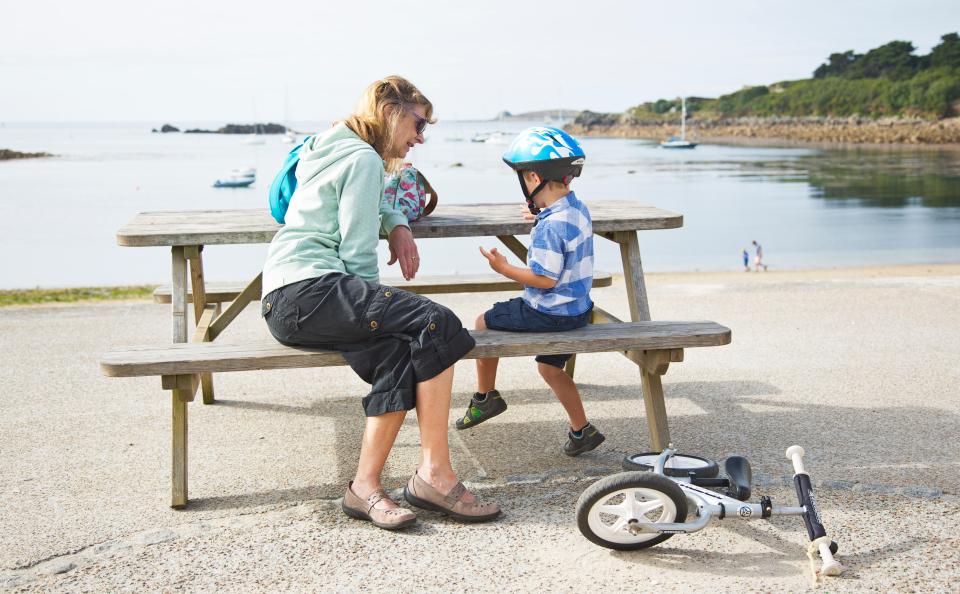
x: 321, y: 289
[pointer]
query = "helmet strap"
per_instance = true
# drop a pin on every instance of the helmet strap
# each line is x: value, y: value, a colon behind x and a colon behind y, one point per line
x: 529, y: 195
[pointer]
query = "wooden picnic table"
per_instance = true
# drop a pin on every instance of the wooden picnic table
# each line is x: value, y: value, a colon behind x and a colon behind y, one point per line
x: 186, y: 232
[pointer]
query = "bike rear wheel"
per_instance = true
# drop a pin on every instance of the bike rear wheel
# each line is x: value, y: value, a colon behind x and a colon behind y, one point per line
x: 679, y: 465
x: 607, y: 508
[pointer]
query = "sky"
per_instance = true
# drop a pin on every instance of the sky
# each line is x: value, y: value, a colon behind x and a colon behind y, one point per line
x: 293, y: 60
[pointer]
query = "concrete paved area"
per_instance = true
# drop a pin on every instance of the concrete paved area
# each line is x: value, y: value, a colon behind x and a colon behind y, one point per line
x: 858, y: 366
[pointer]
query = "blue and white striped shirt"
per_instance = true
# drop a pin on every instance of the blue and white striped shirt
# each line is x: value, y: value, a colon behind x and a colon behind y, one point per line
x: 561, y: 248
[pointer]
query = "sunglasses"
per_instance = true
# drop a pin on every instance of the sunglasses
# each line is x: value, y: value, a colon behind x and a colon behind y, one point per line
x: 421, y: 121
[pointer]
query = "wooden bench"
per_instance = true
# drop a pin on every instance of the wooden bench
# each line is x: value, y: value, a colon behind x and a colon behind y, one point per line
x: 652, y: 345
x: 424, y: 285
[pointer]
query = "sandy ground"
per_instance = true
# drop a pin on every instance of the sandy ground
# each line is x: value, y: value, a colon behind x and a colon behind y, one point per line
x: 858, y: 366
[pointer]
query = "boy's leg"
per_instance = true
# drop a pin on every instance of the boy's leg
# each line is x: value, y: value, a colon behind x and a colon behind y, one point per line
x: 566, y: 391
x: 486, y: 368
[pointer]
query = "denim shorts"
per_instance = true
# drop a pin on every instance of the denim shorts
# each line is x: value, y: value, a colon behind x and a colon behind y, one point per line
x: 516, y: 316
x: 393, y: 339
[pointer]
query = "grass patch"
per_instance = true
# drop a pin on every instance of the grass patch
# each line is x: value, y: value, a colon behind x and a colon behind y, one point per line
x: 37, y: 296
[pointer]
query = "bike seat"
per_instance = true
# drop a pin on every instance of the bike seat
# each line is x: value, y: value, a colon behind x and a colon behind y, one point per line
x: 740, y: 475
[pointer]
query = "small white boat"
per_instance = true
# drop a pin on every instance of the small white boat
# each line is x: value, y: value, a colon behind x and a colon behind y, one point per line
x: 237, y: 178
x: 680, y: 142
x: 234, y: 182
x: 498, y: 138
x: 247, y: 172
x: 289, y: 137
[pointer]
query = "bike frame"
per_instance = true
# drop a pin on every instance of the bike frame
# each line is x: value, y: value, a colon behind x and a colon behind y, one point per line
x: 709, y: 504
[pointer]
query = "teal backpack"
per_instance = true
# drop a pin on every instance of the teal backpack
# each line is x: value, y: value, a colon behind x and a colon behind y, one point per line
x: 285, y: 184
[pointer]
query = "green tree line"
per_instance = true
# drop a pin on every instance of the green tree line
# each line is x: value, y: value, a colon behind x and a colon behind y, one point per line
x: 886, y: 81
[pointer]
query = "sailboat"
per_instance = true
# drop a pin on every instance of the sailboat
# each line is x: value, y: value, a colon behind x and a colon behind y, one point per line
x: 289, y: 136
x: 680, y: 142
x: 255, y: 138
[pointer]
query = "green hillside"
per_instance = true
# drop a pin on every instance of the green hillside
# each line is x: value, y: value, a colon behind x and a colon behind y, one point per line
x: 886, y: 81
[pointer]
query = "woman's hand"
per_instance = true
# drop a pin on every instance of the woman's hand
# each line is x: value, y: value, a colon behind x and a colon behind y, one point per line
x: 404, y: 249
x: 497, y: 260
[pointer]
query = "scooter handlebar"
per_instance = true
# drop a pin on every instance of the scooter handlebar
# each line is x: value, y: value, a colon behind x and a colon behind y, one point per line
x: 795, y: 454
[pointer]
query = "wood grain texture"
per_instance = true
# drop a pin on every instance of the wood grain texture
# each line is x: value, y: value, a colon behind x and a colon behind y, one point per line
x: 179, y: 292
x: 178, y: 452
x: 231, y: 226
x: 266, y: 353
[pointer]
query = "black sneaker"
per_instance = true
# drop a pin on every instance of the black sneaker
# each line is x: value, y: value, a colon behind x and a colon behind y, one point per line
x: 482, y: 407
x: 590, y: 439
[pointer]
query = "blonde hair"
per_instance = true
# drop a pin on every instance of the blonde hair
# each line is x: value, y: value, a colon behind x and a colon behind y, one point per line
x: 370, y: 121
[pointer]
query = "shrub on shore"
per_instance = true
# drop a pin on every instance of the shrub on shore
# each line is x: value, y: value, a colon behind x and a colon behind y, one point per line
x: 38, y: 296
x: 888, y: 81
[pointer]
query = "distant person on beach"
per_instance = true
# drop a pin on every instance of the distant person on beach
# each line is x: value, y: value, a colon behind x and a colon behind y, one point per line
x: 556, y: 295
x: 758, y: 260
x: 746, y: 260
x: 321, y: 289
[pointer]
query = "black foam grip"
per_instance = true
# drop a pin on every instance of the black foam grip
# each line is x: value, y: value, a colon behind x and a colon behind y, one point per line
x: 811, y: 518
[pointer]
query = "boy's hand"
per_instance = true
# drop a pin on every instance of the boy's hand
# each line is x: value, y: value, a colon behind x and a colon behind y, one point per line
x: 497, y: 260
x: 527, y: 215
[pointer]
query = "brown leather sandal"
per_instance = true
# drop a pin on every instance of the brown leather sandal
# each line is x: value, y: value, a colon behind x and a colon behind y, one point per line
x: 420, y: 493
x: 388, y: 519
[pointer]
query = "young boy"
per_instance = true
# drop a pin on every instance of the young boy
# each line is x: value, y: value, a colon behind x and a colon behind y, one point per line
x: 556, y: 294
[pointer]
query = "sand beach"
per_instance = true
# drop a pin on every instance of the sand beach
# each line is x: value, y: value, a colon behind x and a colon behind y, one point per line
x: 859, y: 366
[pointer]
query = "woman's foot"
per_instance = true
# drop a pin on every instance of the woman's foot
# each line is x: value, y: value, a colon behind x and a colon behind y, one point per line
x: 449, y: 497
x: 377, y: 508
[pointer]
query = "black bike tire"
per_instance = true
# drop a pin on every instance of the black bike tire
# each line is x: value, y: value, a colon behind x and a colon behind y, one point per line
x: 710, y: 468
x: 627, y: 480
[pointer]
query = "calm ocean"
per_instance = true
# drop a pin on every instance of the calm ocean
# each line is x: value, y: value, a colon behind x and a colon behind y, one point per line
x: 808, y: 207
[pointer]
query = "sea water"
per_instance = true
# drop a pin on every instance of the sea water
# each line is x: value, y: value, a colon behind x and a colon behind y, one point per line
x: 808, y: 207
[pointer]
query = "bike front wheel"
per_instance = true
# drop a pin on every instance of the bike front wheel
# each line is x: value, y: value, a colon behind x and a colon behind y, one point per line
x: 608, y: 508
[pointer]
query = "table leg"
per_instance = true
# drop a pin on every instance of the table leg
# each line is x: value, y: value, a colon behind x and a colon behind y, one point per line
x: 178, y: 294
x: 650, y: 383
x: 178, y: 473
x: 194, y: 255
x: 178, y: 299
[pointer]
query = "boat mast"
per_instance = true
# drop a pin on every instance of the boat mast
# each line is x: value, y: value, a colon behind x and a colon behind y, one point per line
x: 683, y: 118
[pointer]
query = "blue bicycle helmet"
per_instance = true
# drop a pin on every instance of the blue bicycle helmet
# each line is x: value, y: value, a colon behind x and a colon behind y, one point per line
x: 550, y: 152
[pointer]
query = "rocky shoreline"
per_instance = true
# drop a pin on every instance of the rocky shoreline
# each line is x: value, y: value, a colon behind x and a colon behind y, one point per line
x: 268, y: 128
x: 853, y: 130
x: 7, y: 155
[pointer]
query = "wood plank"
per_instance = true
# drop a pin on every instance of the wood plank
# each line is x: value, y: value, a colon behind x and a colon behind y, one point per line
x: 202, y: 334
x: 194, y: 255
x: 656, y: 411
x: 423, y: 285
x: 250, y: 293
x: 515, y: 245
x: 178, y: 294
x: 178, y: 452
x: 266, y: 353
x: 232, y: 226
x: 633, y: 276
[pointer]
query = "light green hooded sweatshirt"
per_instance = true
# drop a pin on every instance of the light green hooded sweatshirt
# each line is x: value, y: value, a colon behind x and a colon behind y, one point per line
x: 336, y: 214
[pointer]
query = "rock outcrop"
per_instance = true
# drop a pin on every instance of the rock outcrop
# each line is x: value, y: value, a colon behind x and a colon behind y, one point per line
x: 7, y: 154
x: 242, y: 129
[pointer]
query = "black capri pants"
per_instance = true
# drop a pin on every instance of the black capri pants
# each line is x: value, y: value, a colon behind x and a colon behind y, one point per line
x: 391, y: 338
